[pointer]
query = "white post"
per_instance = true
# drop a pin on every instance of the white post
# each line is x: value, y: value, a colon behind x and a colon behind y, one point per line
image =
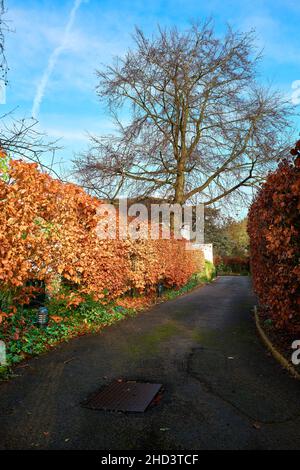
x: 2, y: 354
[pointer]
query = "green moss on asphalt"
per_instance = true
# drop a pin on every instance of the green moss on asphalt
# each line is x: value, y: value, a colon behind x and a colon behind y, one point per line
x: 205, y: 338
x: 148, y: 343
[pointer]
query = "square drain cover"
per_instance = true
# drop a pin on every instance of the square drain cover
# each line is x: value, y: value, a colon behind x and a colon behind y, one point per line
x: 123, y: 396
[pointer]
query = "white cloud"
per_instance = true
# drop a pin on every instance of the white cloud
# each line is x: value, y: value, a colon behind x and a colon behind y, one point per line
x: 295, y: 96
x: 73, y: 135
x: 273, y: 37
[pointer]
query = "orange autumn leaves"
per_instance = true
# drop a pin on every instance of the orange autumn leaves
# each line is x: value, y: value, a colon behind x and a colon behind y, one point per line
x: 274, y: 230
x: 48, y: 230
x: 40, y: 220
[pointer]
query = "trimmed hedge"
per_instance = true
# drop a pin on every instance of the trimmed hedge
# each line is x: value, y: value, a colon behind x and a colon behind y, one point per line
x: 233, y: 264
x: 48, y: 233
x: 274, y: 230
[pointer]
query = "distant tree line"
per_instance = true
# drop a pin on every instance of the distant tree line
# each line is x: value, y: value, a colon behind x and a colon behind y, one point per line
x: 229, y: 236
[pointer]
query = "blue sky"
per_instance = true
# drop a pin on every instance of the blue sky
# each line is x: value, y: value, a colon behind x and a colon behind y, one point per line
x: 101, y: 29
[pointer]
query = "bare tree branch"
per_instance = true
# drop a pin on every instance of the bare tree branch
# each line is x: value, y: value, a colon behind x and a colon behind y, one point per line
x: 21, y: 138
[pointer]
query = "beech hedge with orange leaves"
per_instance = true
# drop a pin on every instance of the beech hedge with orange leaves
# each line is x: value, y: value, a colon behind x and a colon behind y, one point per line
x: 274, y: 230
x: 48, y: 230
x: 233, y: 264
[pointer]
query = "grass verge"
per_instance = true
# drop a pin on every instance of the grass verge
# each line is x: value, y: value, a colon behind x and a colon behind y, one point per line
x: 277, y: 341
x: 24, y: 338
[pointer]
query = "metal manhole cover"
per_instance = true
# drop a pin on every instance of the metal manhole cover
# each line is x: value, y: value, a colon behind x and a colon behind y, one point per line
x: 123, y: 396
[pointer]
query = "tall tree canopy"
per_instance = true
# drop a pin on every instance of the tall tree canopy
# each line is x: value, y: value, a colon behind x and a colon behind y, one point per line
x: 196, y: 123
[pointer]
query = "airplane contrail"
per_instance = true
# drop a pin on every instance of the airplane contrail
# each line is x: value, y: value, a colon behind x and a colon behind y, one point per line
x: 52, y: 61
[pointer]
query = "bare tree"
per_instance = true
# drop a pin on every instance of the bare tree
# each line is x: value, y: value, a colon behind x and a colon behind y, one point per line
x: 200, y: 127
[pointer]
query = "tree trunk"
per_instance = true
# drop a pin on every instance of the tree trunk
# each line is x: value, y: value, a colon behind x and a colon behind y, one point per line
x: 179, y: 184
x: 179, y: 193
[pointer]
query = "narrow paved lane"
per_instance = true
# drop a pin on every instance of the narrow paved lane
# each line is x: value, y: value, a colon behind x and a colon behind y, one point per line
x: 222, y: 389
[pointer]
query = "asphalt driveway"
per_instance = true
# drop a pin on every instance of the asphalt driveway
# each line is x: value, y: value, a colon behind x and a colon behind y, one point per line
x: 221, y: 388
